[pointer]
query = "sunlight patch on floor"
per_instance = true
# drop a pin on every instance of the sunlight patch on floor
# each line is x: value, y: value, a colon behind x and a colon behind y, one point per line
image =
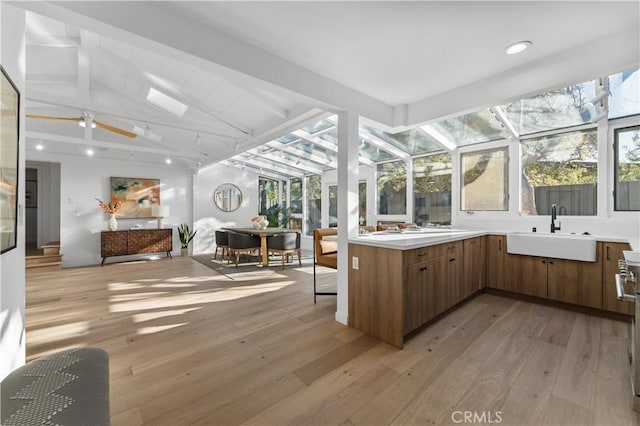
x: 54, y: 332
x: 159, y: 328
x: 148, y: 316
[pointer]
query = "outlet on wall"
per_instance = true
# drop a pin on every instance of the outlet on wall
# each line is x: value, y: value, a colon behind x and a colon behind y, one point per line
x: 355, y: 262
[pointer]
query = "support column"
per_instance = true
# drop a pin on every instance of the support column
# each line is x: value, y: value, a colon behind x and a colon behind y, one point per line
x: 348, y: 127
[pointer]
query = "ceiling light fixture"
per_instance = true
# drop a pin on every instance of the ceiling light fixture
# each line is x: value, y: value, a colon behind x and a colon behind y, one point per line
x: 89, y: 152
x: 168, y: 160
x: 39, y: 147
x: 517, y: 47
x: 83, y: 124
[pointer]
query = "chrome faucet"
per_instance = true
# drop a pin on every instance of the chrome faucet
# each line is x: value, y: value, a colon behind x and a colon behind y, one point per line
x: 554, y: 228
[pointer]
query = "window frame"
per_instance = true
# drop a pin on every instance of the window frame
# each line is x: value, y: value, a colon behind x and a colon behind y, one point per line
x: 614, y: 143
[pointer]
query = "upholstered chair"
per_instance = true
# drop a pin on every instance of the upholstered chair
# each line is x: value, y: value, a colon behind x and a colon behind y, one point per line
x: 243, y: 244
x: 284, y: 245
x: 222, y: 242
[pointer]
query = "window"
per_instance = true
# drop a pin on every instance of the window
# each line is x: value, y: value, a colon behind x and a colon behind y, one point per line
x: 432, y: 189
x: 624, y: 94
x: 295, y: 210
x: 392, y: 188
x: 563, y: 170
x: 314, y: 203
x: 362, y: 204
x: 333, y: 206
x: 627, y: 169
x: 269, y: 190
x: 485, y: 180
x: 555, y: 109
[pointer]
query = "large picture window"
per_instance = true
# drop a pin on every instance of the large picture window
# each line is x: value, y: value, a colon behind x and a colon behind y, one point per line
x: 362, y: 204
x: 392, y: 188
x: 485, y: 180
x: 432, y: 189
x: 560, y: 169
x: 295, y: 210
x: 627, y: 169
x: 314, y: 203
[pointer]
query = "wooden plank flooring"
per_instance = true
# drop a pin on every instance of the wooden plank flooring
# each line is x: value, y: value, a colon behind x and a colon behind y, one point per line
x: 190, y: 346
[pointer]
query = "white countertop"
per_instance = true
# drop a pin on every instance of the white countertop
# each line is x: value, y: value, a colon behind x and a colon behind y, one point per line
x: 407, y: 240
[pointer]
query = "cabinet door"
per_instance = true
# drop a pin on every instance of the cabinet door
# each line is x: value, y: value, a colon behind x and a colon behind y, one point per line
x: 576, y: 282
x: 114, y: 243
x: 525, y: 274
x: 495, y: 261
x: 611, y: 253
x: 422, y: 295
x: 475, y: 266
x: 454, y: 291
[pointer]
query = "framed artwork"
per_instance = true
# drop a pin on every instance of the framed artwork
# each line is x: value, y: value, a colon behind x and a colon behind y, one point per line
x: 138, y: 195
x: 9, y: 136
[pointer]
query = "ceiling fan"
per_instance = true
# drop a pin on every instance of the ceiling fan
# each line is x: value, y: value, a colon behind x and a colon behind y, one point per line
x: 87, y: 120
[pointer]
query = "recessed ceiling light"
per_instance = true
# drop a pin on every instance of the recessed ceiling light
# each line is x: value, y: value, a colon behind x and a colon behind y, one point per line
x: 518, y: 47
x: 168, y: 160
x: 89, y: 152
x: 39, y: 147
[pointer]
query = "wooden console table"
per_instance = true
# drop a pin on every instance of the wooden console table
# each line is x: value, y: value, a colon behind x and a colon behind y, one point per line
x: 135, y: 241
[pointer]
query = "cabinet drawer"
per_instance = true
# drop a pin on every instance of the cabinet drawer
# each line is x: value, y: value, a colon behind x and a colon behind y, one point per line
x: 430, y: 252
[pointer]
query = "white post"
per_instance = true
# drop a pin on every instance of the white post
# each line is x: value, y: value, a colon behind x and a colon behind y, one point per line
x: 348, y: 127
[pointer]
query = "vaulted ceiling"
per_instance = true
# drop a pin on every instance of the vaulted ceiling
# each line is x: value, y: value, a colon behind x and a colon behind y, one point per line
x: 246, y: 73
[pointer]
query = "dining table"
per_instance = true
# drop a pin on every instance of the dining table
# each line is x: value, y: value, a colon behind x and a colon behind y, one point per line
x: 263, y: 234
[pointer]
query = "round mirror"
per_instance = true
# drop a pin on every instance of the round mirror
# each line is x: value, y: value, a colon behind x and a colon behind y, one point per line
x: 227, y: 197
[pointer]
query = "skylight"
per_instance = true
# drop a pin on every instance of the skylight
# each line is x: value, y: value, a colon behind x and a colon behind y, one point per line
x: 166, y: 102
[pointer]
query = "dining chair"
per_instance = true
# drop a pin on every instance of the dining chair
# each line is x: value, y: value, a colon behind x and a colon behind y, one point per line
x: 222, y: 242
x: 285, y: 245
x: 243, y: 244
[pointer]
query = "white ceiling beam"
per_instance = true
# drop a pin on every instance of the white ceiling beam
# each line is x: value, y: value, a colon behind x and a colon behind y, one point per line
x: 109, y: 145
x: 316, y: 140
x: 287, y: 163
x: 259, y: 164
x: 34, y: 39
x: 267, y: 103
x: 384, y: 145
x: 169, y: 89
x: 248, y: 167
x: 211, y: 49
x: 84, y: 75
x: 50, y: 78
x: 124, y: 113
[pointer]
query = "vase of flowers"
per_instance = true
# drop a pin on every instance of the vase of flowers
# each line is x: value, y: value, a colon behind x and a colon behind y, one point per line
x: 111, y: 209
x: 259, y: 222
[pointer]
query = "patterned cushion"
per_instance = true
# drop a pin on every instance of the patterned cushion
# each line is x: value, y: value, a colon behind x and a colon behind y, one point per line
x: 65, y: 388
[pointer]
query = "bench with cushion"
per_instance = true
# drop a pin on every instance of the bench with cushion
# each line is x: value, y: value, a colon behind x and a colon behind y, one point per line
x: 69, y: 388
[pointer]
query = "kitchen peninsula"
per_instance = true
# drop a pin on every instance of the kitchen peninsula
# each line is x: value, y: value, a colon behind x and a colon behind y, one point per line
x: 399, y: 281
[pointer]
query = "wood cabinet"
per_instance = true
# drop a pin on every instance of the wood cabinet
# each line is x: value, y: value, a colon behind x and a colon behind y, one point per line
x: 576, y: 282
x: 525, y: 274
x: 475, y: 265
x: 393, y: 292
x: 138, y: 241
x: 496, y: 253
x: 611, y: 253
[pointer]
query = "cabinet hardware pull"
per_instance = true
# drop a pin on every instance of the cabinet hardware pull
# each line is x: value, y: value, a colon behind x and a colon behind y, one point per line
x: 608, y: 253
x: 544, y: 261
x: 551, y: 262
x: 452, y: 260
x: 424, y: 268
x: 500, y: 244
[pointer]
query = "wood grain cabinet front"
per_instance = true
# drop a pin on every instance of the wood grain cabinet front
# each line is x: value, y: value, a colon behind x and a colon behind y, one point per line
x: 611, y: 253
x: 138, y: 241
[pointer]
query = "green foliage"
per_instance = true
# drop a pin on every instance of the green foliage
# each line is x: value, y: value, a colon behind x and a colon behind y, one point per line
x: 432, y: 174
x: 314, y: 190
x: 560, y: 173
x: 185, y: 234
x: 392, y: 177
x: 277, y: 216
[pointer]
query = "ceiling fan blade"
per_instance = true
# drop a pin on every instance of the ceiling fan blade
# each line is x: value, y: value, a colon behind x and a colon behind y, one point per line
x: 115, y: 129
x: 51, y: 117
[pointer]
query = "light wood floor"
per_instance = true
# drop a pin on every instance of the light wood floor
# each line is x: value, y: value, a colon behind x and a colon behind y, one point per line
x: 189, y: 346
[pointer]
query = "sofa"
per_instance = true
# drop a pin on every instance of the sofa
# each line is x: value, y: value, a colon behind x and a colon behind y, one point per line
x: 326, y: 250
x: 67, y: 388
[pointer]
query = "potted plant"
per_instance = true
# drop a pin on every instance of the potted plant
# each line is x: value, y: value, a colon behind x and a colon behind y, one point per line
x: 186, y: 235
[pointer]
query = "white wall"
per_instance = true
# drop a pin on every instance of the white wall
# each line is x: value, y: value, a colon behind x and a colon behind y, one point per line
x: 12, y: 325
x: 82, y: 179
x: 47, y: 215
x: 207, y: 218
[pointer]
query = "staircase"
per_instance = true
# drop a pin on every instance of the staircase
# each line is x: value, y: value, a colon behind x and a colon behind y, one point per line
x: 48, y: 259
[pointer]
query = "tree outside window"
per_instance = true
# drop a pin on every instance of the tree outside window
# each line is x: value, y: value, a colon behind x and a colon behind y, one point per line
x: 627, y: 169
x: 560, y: 169
x: 485, y: 180
x: 432, y: 189
x: 392, y: 188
